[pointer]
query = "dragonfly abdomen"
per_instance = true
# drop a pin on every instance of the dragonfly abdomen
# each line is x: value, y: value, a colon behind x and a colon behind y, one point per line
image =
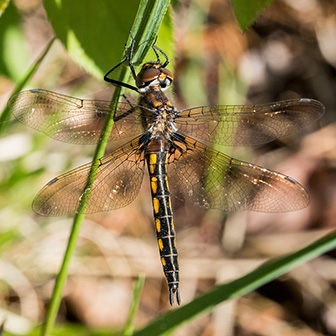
x: 163, y: 217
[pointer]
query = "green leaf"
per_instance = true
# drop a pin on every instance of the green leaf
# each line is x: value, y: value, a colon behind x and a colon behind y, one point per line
x: 93, y: 32
x: 247, y: 11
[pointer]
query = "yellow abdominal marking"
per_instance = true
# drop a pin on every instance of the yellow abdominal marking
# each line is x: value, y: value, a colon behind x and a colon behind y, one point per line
x: 163, y: 261
x: 152, y: 159
x: 167, y: 184
x: 156, y: 205
x: 154, y: 184
x: 160, y: 242
x: 158, y: 225
x: 152, y: 163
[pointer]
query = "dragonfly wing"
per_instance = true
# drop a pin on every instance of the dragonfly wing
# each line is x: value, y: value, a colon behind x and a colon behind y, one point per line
x: 71, y: 119
x: 246, y: 125
x: 117, y: 182
x: 213, y: 180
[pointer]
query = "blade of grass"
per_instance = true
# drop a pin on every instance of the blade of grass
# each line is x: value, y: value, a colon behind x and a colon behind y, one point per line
x: 5, y: 116
x: 129, y: 327
x: 239, y: 287
x: 145, y: 21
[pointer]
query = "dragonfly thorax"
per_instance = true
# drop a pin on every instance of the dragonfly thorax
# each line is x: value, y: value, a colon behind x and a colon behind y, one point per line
x: 158, y: 112
x: 163, y: 125
x: 153, y: 76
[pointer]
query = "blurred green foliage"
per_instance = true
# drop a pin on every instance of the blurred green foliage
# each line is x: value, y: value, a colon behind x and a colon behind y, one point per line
x: 14, y: 57
x: 247, y: 11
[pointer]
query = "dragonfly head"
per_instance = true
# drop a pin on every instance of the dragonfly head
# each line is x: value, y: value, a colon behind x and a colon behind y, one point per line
x: 153, y: 75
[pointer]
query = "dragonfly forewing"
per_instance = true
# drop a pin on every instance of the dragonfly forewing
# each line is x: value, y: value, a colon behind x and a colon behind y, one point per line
x: 74, y: 120
x: 248, y: 125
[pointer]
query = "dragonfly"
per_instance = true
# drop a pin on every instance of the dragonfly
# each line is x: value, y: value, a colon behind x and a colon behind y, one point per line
x: 177, y: 146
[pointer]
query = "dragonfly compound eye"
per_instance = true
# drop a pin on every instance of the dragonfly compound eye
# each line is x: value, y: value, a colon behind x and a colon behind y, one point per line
x: 153, y: 75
